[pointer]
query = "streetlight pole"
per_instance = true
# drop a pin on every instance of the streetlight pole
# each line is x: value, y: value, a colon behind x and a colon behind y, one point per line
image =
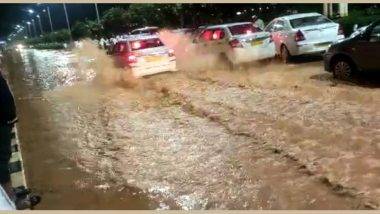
x: 34, y: 27
x: 29, y: 30
x: 51, y: 24
x: 97, y: 13
x: 39, y: 22
x: 67, y: 20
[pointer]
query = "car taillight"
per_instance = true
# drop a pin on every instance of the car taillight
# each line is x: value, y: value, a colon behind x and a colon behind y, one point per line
x: 340, y: 30
x: 171, y: 52
x: 248, y: 31
x: 235, y: 44
x: 131, y: 58
x: 299, y: 36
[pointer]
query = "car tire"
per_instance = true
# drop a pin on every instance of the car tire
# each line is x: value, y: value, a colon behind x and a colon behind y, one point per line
x: 285, y: 55
x: 342, y: 69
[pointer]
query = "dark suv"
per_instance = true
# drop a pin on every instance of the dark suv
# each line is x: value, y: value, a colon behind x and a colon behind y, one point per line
x: 358, y: 53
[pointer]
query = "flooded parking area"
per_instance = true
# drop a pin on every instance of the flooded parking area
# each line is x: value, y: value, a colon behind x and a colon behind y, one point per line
x: 271, y: 136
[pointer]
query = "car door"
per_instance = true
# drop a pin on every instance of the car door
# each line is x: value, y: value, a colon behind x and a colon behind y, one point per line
x: 278, y: 34
x: 366, y: 52
x: 270, y: 28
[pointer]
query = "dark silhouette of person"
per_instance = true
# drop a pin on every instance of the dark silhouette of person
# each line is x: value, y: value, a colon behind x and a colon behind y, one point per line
x: 22, y: 199
x: 7, y: 120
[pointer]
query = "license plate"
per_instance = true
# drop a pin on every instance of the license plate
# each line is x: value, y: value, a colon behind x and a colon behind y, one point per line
x: 153, y: 58
x: 257, y: 42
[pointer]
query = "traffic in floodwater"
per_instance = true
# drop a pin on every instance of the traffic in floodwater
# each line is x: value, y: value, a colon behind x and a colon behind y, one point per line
x: 221, y: 117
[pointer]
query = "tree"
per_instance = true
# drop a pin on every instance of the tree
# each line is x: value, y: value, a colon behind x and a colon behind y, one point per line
x: 114, y: 20
x: 96, y: 29
x: 81, y: 30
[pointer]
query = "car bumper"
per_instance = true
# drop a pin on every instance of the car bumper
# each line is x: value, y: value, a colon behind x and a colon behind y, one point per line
x: 311, y: 48
x: 244, y: 55
x: 140, y: 71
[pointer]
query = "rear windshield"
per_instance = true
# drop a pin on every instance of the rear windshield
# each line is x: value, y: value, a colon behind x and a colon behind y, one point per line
x: 150, y: 31
x: 243, y: 29
x: 144, y: 44
x: 307, y: 21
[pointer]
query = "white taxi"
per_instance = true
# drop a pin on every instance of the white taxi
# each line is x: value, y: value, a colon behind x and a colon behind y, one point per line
x: 144, y: 55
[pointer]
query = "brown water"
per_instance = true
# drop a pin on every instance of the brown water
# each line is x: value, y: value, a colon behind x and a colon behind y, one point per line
x: 270, y: 137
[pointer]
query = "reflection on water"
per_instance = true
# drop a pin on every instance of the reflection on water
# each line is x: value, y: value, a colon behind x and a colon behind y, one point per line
x: 187, y: 141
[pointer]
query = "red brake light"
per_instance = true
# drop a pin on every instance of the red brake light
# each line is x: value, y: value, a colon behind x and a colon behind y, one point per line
x: 299, y: 36
x: 235, y: 44
x: 340, y: 31
x: 136, y: 45
x: 248, y: 32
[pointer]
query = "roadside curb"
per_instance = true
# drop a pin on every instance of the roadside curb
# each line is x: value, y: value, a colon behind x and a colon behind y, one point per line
x: 16, y: 165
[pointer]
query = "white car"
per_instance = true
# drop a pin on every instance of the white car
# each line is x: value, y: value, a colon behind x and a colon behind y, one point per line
x: 144, y: 55
x: 236, y: 42
x: 305, y: 33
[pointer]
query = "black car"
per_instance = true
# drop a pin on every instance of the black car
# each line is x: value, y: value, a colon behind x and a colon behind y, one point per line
x: 355, y: 54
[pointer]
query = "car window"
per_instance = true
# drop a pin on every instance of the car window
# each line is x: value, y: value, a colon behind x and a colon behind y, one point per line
x: 375, y: 34
x: 279, y: 26
x: 206, y: 35
x: 218, y: 34
x: 243, y: 29
x: 269, y: 27
x: 146, y: 43
x: 308, y: 21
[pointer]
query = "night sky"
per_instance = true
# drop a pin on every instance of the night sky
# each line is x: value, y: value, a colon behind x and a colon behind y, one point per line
x: 13, y: 14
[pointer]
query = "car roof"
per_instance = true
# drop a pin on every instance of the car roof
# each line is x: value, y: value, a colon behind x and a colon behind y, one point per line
x: 228, y: 24
x: 299, y: 15
x: 146, y: 28
x: 138, y: 37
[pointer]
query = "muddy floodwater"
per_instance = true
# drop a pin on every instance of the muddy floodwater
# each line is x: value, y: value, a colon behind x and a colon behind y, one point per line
x: 269, y: 136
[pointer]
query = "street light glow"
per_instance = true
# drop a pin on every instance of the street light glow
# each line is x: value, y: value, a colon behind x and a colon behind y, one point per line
x: 30, y: 11
x: 38, y: 16
x: 28, y: 23
x: 238, y: 13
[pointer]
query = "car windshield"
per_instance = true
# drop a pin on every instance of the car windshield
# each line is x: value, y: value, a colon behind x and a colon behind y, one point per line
x: 308, y: 21
x: 147, y: 31
x: 144, y: 44
x: 243, y: 29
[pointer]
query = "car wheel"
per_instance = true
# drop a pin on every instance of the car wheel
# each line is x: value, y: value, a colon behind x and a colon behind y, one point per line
x: 285, y: 55
x: 342, y: 69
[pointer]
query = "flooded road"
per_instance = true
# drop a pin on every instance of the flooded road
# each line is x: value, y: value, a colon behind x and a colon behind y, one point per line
x: 270, y: 137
